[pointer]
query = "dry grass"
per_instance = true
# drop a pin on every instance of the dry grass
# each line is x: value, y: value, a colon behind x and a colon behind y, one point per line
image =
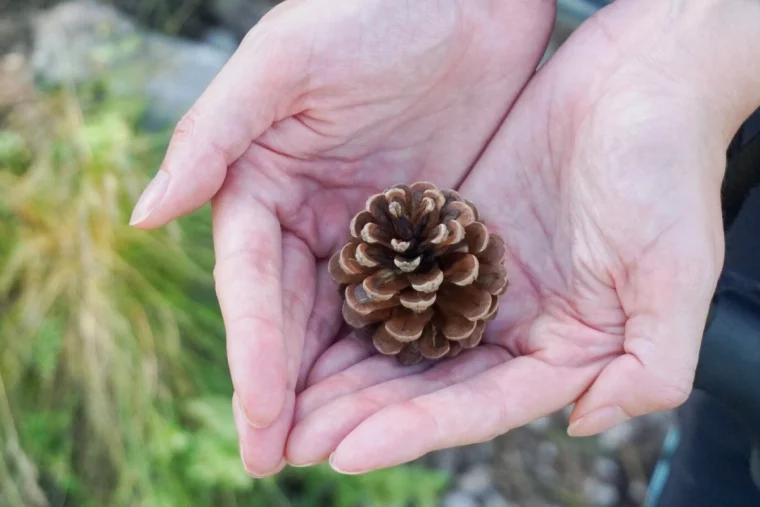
x: 92, y: 309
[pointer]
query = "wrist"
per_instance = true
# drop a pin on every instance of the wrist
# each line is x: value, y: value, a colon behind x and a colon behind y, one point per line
x: 716, y: 46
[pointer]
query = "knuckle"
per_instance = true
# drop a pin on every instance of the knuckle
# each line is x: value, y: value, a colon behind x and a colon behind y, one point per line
x: 186, y: 125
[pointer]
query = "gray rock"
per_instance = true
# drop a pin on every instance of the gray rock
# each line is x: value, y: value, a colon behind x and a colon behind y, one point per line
x: 546, y: 453
x: 600, y: 494
x: 547, y: 473
x: 615, y: 438
x: 459, y: 499
x: 15, y: 34
x: 476, y: 481
x: 81, y: 40
x: 606, y: 469
x: 221, y: 38
x: 496, y: 500
x: 541, y: 425
x: 447, y: 460
x: 241, y: 15
x: 478, y: 453
x: 638, y: 490
x: 179, y: 72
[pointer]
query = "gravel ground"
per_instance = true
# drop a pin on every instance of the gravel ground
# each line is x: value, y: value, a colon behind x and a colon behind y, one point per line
x: 540, y: 466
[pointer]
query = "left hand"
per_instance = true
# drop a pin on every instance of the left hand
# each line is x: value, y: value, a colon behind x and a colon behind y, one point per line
x: 325, y: 102
x: 605, y: 185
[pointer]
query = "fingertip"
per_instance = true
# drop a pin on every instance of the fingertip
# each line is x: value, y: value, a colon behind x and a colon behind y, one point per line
x: 337, y: 466
x: 597, y: 421
x: 150, y: 199
x: 257, y: 475
x: 262, y: 450
x: 260, y: 408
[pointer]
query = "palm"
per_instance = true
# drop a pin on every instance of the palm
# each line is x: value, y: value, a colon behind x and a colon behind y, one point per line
x: 581, y: 181
x: 374, y: 94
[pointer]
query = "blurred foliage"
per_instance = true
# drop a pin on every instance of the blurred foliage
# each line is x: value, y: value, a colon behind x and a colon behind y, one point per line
x: 114, y: 388
x: 189, y: 18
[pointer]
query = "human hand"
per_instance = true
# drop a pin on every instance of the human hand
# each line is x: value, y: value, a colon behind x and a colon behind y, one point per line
x: 324, y: 103
x: 605, y: 185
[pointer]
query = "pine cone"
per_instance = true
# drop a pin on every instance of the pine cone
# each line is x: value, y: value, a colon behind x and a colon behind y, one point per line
x: 421, y: 273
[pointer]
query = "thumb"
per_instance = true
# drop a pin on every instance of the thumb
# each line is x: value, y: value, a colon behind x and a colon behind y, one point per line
x: 241, y: 102
x: 656, y: 369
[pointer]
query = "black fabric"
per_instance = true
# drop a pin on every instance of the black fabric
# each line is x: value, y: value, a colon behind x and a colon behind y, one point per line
x: 710, y: 467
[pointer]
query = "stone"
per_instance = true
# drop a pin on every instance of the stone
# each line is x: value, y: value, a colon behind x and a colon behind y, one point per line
x: 15, y: 34
x: 547, y: 473
x: 16, y: 81
x: 82, y: 40
x: 221, y: 38
x: 600, y: 494
x: 540, y: 425
x: 476, y: 481
x: 615, y: 438
x: 494, y: 499
x: 459, y: 499
x: 546, y: 453
x: 240, y: 15
x: 478, y: 453
x: 638, y: 491
x: 606, y: 469
x: 446, y: 460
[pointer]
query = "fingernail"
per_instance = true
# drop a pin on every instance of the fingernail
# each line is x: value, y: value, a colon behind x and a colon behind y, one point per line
x: 256, y: 475
x: 150, y: 198
x: 597, y: 421
x: 303, y: 465
x: 331, y: 461
x: 245, y: 416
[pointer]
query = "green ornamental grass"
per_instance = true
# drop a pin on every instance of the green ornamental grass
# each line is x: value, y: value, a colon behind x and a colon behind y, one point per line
x: 114, y: 389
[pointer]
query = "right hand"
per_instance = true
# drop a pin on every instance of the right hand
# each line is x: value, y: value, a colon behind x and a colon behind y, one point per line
x: 324, y: 103
x: 605, y: 185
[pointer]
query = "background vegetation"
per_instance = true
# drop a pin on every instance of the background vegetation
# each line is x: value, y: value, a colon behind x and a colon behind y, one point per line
x: 114, y: 389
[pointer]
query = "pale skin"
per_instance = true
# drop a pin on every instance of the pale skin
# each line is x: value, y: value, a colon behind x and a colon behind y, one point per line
x: 601, y: 171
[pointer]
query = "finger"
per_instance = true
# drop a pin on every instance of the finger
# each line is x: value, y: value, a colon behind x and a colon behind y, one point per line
x: 324, y: 323
x: 319, y: 433
x: 248, y: 277
x: 246, y: 97
x: 655, y: 374
x: 662, y: 340
x: 371, y: 371
x: 477, y: 410
x: 298, y: 293
x: 262, y: 450
x: 346, y: 352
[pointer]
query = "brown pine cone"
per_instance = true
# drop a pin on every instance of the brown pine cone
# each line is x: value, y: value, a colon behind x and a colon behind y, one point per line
x: 421, y: 273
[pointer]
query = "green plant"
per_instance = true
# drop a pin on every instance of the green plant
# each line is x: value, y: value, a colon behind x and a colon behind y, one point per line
x: 408, y: 486
x: 93, y: 310
x: 113, y: 377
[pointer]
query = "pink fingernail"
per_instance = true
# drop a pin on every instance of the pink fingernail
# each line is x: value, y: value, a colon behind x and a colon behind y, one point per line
x: 304, y: 465
x: 150, y: 198
x: 331, y: 461
x: 597, y: 421
x: 245, y: 416
x: 256, y: 475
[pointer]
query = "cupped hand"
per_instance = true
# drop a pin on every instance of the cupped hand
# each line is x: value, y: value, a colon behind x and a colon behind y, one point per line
x: 605, y: 185
x: 324, y: 103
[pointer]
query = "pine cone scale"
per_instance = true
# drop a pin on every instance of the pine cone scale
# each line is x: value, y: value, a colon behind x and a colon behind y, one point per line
x: 429, y: 282
x: 406, y: 325
x: 417, y: 301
